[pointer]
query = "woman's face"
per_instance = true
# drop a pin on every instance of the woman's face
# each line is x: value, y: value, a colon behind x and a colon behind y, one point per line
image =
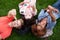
x: 42, y: 24
x: 16, y: 23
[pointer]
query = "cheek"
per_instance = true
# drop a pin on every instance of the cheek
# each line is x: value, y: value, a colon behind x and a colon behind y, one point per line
x: 38, y: 27
x: 43, y: 23
x: 19, y: 24
x: 15, y: 24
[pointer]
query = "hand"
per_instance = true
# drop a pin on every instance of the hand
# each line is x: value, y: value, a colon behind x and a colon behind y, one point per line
x: 52, y: 8
x: 51, y: 14
x: 49, y: 11
x: 12, y: 12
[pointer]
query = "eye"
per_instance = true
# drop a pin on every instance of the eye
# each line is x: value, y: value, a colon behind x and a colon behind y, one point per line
x: 25, y: 4
x: 14, y: 23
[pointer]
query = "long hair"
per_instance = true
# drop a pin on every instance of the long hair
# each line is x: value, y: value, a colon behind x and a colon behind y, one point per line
x: 37, y: 32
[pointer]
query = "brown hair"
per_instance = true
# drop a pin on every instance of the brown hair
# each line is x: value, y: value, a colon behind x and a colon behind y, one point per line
x: 37, y: 32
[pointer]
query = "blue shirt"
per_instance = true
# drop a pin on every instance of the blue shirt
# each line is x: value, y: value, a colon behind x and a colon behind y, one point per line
x: 50, y: 23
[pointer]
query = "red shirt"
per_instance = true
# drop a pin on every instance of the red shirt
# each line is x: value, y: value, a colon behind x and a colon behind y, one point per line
x: 5, y: 29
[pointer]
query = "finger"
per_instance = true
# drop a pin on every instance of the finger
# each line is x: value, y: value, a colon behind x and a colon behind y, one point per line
x: 15, y: 17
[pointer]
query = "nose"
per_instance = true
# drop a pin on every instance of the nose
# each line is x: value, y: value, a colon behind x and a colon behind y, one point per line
x: 22, y: 11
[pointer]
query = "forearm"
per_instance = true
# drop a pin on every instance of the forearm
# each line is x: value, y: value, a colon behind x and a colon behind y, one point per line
x: 52, y: 17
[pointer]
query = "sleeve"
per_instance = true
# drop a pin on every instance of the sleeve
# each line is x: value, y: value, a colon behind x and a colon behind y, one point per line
x: 57, y: 15
x: 50, y: 24
x: 10, y: 18
x: 5, y: 34
x: 42, y: 14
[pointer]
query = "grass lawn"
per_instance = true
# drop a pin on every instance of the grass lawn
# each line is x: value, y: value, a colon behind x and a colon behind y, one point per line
x: 6, y: 5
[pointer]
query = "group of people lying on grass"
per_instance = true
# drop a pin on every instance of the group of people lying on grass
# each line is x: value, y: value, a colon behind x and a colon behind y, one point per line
x: 41, y: 27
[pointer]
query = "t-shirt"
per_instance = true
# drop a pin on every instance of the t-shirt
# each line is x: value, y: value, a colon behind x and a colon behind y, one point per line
x: 5, y: 29
x: 50, y: 23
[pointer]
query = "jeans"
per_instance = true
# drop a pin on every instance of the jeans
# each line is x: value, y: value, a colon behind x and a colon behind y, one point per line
x: 57, y: 5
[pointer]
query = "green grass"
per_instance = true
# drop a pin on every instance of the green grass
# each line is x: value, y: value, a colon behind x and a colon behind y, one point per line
x: 6, y: 5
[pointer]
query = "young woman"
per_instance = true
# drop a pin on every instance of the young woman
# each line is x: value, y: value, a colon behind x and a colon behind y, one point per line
x: 7, y: 23
x: 52, y: 14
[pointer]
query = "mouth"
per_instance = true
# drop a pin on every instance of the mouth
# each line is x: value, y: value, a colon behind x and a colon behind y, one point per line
x: 28, y: 17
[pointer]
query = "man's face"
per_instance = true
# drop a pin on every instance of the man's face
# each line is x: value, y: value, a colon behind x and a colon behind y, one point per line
x: 16, y: 23
x: 42, y: 24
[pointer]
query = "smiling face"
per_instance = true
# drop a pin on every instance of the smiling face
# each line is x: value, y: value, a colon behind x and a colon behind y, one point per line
x: 16, y: 23
x: 40, y: 28
x: 41, y: 25
x: 26, y: 10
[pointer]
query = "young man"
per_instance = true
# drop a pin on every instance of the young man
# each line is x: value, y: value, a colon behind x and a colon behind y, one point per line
x: 7, y: 23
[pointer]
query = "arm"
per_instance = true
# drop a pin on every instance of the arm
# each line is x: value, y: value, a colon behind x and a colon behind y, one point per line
x: 52, y: 8
x: 34, y: 10
x: 52, y: 16
x: 5, y: 34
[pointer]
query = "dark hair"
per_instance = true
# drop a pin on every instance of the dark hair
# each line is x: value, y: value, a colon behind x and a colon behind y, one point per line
x: 41, y: 20
x: 38, y: 32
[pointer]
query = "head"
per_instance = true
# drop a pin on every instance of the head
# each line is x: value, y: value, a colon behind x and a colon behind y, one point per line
x: 40, y: 27
x: 16, y: 23
x: 41, y: 24
x: 26, y: 10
